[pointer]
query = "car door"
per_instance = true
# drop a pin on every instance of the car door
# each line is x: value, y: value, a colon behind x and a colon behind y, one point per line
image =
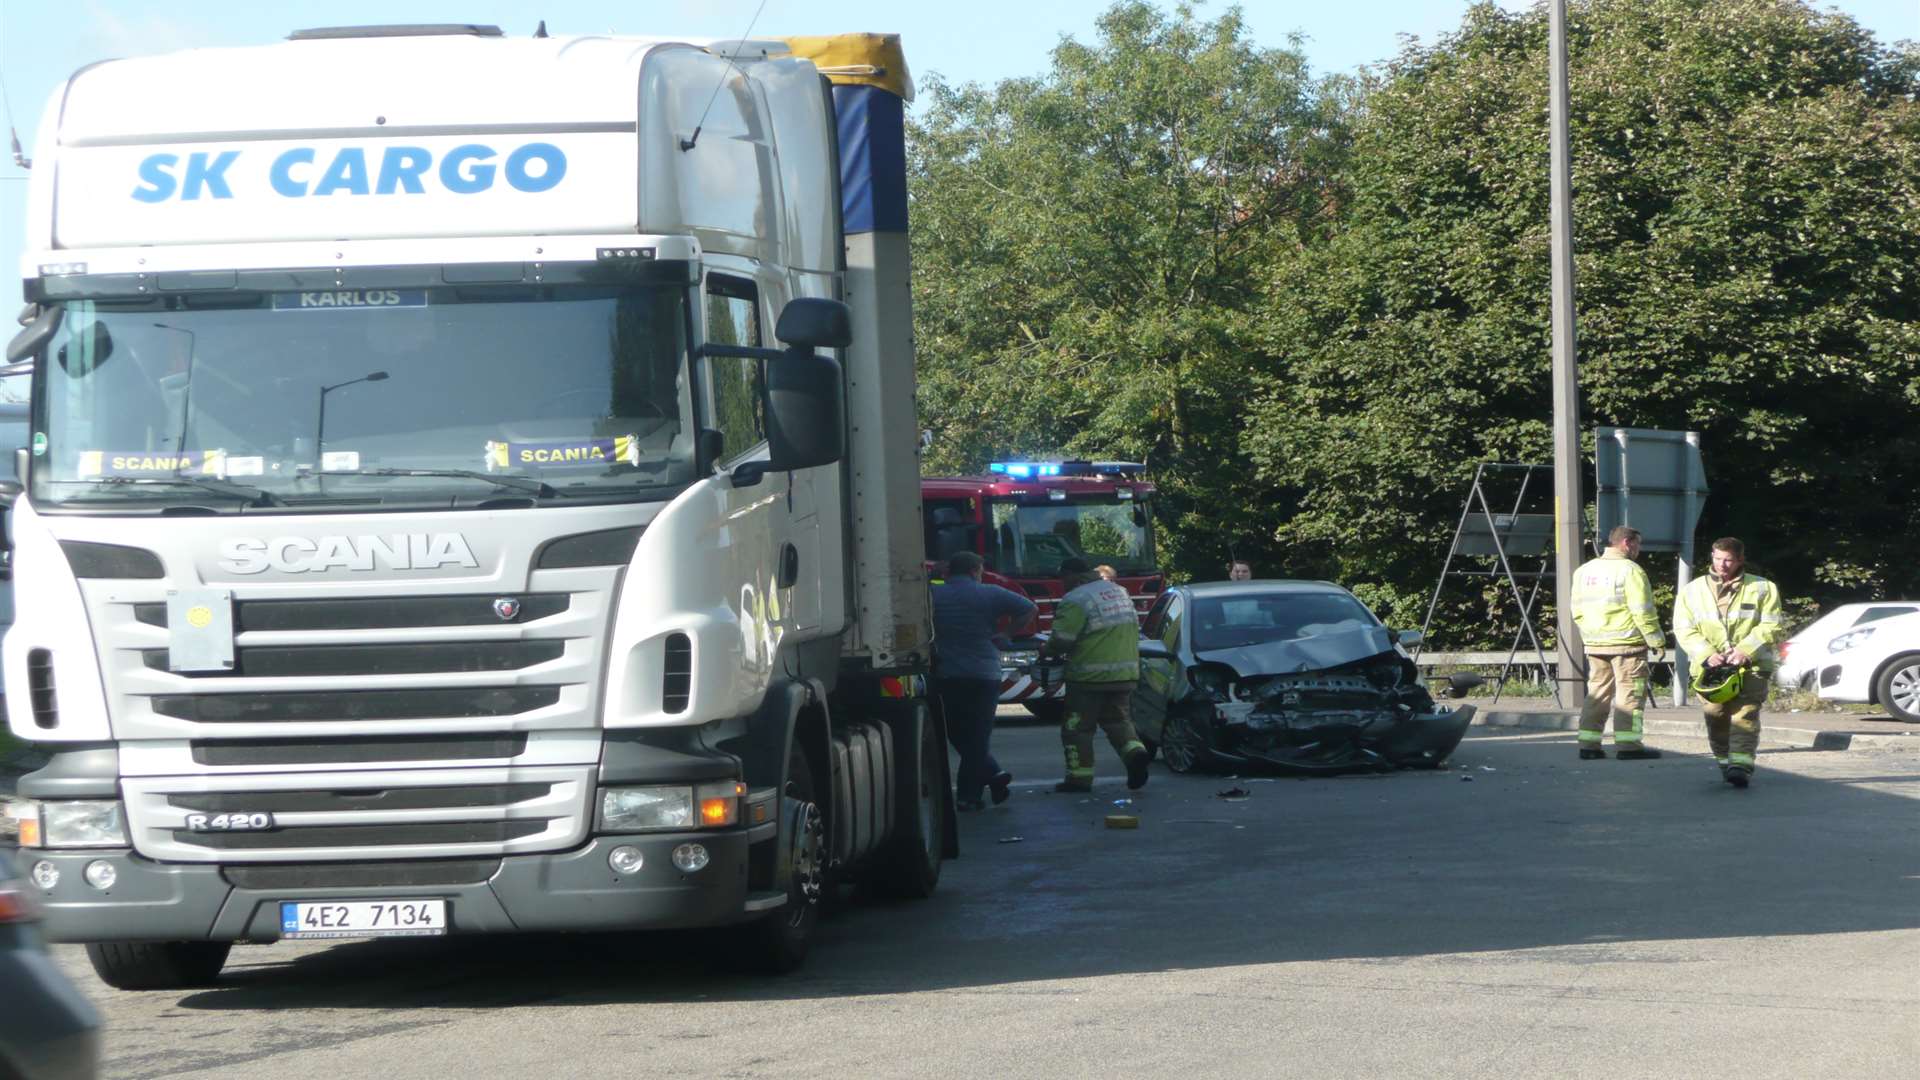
x: 1162, y: 680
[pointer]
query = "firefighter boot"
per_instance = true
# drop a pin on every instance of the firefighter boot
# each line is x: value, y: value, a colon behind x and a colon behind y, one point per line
x: 1136, y: 768
x: 1590, y: 753
x: 1738, y: 776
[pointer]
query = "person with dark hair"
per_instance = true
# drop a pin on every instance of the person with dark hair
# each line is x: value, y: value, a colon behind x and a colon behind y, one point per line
x: 1729, y: 622
x: 1613, y: 607
x: 1239, y: 570
x: 1096, y: 629
x: 966, y: 672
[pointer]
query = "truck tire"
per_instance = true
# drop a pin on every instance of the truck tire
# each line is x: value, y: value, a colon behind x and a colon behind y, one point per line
x: 777, y: 942
x: 1897, y: 688
x: 159, y: 965
x: 911, y: 868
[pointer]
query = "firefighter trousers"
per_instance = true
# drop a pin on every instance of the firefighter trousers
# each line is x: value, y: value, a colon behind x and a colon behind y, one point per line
x: 1091, y: 705
x: 1616, y: 687
x: 1733, y: 727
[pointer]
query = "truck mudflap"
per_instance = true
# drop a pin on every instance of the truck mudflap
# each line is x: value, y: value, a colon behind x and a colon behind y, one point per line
x: 560, y: 891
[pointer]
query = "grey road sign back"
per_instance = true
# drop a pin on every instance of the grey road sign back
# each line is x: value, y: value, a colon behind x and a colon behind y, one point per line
x: 1520, y: 535
x: 1652, y: 480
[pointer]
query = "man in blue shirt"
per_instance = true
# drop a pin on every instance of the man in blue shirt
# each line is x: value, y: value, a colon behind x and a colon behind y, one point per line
x: 966, y: 671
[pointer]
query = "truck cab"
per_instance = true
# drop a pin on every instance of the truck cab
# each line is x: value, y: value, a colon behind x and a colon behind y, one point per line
x: 442, y: 513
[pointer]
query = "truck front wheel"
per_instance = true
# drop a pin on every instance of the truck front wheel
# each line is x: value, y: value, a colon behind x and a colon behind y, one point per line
x: 159, y: 965
x: 778, y: 942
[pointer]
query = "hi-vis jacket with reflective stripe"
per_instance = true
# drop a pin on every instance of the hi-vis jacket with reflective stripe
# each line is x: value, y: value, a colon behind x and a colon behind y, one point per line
x: 1096, y: 627
x: 1613, y: 603
x: 1752, y: 625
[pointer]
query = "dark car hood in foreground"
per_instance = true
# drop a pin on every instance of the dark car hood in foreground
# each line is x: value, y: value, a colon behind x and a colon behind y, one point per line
x: 1315, y: 653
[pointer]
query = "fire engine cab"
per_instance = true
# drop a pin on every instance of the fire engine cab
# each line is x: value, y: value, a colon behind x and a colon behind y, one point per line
x: 1024, y: 518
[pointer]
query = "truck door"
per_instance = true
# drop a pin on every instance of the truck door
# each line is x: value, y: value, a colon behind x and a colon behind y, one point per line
x: 785, y: 503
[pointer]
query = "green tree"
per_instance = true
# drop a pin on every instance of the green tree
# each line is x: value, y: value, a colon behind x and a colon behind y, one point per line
x: 1089, y: 247
x: 1747, y: 226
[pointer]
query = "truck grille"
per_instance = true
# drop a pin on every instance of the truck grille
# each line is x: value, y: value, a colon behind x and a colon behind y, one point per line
x: 438, y: 834
x: 300, y: 661
x: 388, y: 613
x: 384, y: 750
x: 365, y: 875
x: 355, y: 704
x: 393, y: 814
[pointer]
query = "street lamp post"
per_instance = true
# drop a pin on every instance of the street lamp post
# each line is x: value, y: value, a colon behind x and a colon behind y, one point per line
x: 1569, y: 507
x: 320, y: 425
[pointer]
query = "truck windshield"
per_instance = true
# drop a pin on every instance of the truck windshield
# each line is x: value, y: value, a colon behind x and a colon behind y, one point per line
x: 449, y: 396
x: 1033, y: 539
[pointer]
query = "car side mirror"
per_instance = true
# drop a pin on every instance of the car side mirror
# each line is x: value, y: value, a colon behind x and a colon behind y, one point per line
x: 1410, y: 637
x: 1462, y: 683
x: 1154, y: 650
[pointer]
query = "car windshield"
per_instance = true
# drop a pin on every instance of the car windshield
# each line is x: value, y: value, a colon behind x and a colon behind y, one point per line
x: 447, y: 395
x: 1227, y: 622
x: 1032, y: 540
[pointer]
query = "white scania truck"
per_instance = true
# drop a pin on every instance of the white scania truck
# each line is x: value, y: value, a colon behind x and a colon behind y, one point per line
x: 471, y: 489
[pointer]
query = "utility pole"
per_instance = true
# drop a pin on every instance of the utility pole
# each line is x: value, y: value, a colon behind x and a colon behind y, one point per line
x: 1569, y: 507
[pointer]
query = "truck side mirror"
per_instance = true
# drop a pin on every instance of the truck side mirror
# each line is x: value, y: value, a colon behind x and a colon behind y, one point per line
x: 10, y: 489
x: 35, y: 333
x: 811, y: 322
x: 806, y: 411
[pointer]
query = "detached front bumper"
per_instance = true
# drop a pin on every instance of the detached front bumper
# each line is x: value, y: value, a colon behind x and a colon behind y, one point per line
x: 1325, y: 741
x: 560, y: 891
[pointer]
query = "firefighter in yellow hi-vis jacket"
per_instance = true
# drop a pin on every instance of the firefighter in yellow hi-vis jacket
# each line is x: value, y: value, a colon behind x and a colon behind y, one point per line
x: 1096, y: 629
x: 1613, y: 606
x: 1728, y: 623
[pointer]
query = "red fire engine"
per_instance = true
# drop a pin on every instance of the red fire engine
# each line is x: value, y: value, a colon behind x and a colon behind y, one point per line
x: 1023, y: 518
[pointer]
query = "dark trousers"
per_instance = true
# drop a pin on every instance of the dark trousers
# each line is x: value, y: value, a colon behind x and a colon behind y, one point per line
x: 969, y: 705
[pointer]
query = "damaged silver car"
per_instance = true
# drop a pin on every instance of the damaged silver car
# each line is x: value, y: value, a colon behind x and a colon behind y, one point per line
x: 1293, y: 676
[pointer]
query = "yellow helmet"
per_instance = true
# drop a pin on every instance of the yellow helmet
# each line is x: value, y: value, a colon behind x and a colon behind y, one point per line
x: 1719, y: 684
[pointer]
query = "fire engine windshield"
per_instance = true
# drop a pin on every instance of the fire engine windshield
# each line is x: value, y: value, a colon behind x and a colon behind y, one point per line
x: 449, y: 396
x: 1032, y: 540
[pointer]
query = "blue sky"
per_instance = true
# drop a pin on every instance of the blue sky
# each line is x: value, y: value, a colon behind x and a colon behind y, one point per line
x: 978, y: 40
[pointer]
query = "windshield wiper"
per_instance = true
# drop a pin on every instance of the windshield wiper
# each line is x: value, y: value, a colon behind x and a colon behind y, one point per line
x: 512, y: 483
x: 254, y: 496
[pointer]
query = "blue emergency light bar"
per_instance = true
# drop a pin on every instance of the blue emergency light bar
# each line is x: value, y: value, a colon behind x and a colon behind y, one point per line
x: 1024, y: 469
x: 1027, y: 470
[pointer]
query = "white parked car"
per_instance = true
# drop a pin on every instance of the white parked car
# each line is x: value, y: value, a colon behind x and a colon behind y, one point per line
x: 1877, y: 664
x: 1803, y: 655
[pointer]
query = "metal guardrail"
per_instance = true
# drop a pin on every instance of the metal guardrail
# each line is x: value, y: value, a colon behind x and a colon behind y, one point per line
x: 1480, y: 659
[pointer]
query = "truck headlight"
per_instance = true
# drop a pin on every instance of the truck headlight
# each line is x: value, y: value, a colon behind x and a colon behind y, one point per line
x: 646, y: 809
x: 88, y: 823
x: 637, y: 809
x: 1849, y: 640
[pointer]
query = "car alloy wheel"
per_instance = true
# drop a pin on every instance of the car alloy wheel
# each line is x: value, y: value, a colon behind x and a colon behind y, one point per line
x: 1179, y: 744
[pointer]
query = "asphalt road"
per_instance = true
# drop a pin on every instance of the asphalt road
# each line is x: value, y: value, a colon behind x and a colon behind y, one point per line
x: 1519, y: 914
